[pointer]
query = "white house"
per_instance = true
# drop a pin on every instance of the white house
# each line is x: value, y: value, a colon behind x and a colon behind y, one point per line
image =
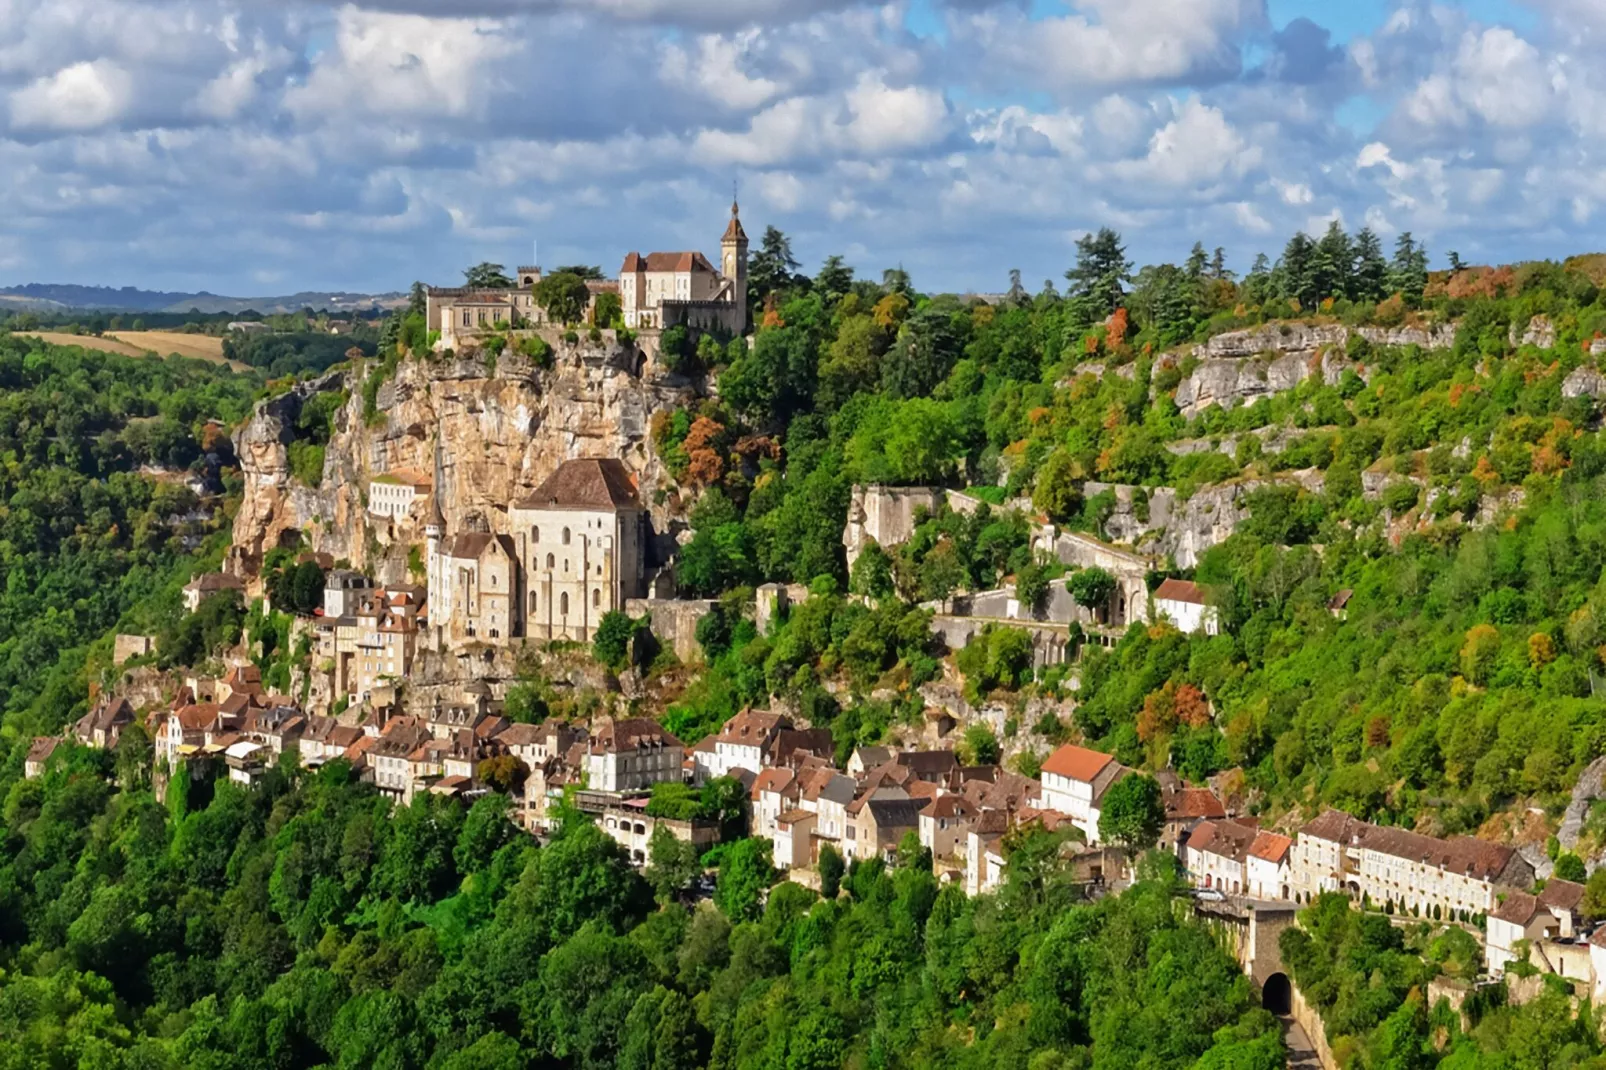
x: 743, y: 743
x: 1216, y: 856
x: 1266, y: 866
x: 1074, y: 782
x: 393, y: 494
x: 1550, y: 915
x: 1182, y: 602
x: 631, y: 755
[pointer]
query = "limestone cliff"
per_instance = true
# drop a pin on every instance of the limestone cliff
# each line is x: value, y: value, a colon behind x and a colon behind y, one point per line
x: 1240, y: 367
x: 503, y: 426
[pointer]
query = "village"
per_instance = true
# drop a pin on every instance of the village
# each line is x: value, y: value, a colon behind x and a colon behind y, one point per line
x: 580, y: 546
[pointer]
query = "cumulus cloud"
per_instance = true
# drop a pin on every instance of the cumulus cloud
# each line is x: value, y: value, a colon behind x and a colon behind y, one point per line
x: 221, y: 144
x: 80, y: 97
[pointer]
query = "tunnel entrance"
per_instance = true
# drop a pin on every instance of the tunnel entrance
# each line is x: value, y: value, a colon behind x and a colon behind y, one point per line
x: 1277, y: 995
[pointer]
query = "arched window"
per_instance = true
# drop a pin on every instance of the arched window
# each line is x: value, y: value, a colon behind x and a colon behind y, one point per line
x: 551, y: 562
x: 532, y: 603
x: 565, y: 564
x: 563, y: 604
x: 535, y: 534
x: 596, y: 596
x: 565, y: 536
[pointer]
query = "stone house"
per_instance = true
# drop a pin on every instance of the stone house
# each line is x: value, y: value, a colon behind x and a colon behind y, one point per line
x: 206, y: 585
x: 744, y: 742
x: 944, y: 822
x: 881, y: 824
x: 631, y: 755
x: 38, y: 756
x: 1185, y: 808
x: 1550, y: 916
x: 775, y: 791
x: 794, y: 839
x: 103, y: 725
x: 472, y: 594
x: 1266, y: 866
x: 1216, y: 856
x: 1317, y: 859
x: 827, y: 793
x: 393, y: 495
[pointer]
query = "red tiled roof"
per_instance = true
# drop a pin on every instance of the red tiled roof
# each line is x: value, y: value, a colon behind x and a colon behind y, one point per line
x: 1077, y: 763
x: 1194, y: 802
x: 1270, y: 847
x: 1179, y: 591
x: 635, y: 262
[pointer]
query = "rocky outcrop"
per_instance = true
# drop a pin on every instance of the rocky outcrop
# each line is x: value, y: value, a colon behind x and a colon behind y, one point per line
x: 1158, y: 523
x: 1231, y: 381
x: 1540, y: 332
x: 1584, y: 381
x: 502, y: 428
x: 1591, y: 786
x: 1239, y: 367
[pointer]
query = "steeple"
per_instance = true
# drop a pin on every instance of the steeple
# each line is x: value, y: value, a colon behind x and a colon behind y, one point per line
x: 733, y: 265
x: 734, y: 232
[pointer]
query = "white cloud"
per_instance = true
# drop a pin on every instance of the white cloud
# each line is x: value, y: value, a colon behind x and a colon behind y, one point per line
x: 1198, y: 148
x: 80, y: 97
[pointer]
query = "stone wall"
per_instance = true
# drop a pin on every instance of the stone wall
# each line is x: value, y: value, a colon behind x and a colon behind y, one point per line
x: 674, y: 622
x: 885, y: 514
x: 1311, y: 1022
x: 128, y: 647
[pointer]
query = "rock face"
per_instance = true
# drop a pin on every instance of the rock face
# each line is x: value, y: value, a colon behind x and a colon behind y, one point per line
x: 1584, y: 381
x: 1540, y: 332
x: 1591, y: 786
x: 1240, y: 367
x: 502, y: 429
x: 1183, y: 530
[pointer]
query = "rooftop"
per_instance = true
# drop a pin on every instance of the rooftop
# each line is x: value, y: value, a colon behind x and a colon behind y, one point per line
x: 1077, y: 763
x: 585, y: 483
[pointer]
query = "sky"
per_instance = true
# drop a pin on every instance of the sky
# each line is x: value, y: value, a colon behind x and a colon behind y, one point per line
x: 256, y: 147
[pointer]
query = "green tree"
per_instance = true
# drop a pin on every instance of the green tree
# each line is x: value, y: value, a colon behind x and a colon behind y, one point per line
x: 772, y: 268
x: 745, y: 873
x: 1133, y: 812
x: 616, y: 631
x: 487, y: 276
x: 672, y: 864
x: 1098, y: 281
x: 1091, y: 587
x: 564, y: 296
x: 831, y: 867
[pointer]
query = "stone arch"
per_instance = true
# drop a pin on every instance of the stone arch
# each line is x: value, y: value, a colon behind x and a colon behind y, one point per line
x: 1277, y: 995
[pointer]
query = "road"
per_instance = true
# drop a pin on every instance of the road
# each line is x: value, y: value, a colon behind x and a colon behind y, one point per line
x: 1301, y: 1052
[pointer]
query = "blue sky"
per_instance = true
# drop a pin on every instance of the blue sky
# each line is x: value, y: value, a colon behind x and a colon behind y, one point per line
x: 253, y: 147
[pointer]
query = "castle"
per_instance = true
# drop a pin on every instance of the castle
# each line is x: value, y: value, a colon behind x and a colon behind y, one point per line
x: 656, y: 290
x: 576, y: 552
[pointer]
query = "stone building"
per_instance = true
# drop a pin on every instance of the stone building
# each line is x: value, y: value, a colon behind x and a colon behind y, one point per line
x: 394, y: 494
x: 576, y: 552
x: 683, y: 289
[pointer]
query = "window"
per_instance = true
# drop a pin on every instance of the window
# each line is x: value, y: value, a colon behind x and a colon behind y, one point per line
x: 551, y: 561
x: 596, y: 596
x: 563, y: 604
x: 565, y: 536
x: 535, y: 534
x: 565, y: 564
x: 532, y: 603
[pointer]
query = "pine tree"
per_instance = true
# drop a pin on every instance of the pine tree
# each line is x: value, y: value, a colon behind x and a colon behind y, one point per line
x: 1099, y: 277
x: 1198, y: 261
x: 1371, y: 268
x: 1456, y: 266
x: 1218, y: 265
x: 1293, y: 274
x: 1408, y: 274
x: 1331, y: 264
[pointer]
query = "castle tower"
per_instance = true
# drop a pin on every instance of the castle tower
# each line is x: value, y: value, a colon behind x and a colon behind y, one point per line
x: 733, y: 265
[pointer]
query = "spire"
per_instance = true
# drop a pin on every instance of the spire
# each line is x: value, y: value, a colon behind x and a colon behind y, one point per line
x: 734, y: 232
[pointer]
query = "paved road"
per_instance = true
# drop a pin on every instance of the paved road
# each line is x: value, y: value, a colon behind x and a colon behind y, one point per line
x: 1301, y: 1052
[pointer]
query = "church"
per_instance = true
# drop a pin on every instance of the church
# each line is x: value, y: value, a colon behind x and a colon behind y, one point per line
x: 661, y: 290
x: 576, y: 551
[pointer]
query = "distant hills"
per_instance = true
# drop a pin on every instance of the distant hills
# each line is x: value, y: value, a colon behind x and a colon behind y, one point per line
x: 58, y: 297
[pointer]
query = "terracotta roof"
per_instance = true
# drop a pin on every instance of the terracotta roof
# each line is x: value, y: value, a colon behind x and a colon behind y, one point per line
x: 752, y: 727
x: 198, y: 716
x: 1561, y: 895
x: 948, y: 806
x: 1190, y: 803
x: 43, y: 747
x: 585, y: 483
x: 794, y: 744
x: 1077, y: 763
x: 1464, y: 855
x: 1270, y: 847
x: 776, y: 780
x: 107, y: 714
x: 632, y: 733
x: 1598, y: 937
x: 635, y: 262
x: 1334, y: 826
x: 927, y: 763
x: 1518, y: 909
x: 521, y: 735
x: 922, y: 789
x: 407, y: 477
x: 1179, y: 591
x: 1223, y: 839
x: 792, y: 817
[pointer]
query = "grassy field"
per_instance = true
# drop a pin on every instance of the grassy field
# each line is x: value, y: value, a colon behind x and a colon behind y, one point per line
x: 140, y: 343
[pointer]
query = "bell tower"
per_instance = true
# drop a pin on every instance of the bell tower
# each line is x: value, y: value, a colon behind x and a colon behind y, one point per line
x: 733, y: 265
